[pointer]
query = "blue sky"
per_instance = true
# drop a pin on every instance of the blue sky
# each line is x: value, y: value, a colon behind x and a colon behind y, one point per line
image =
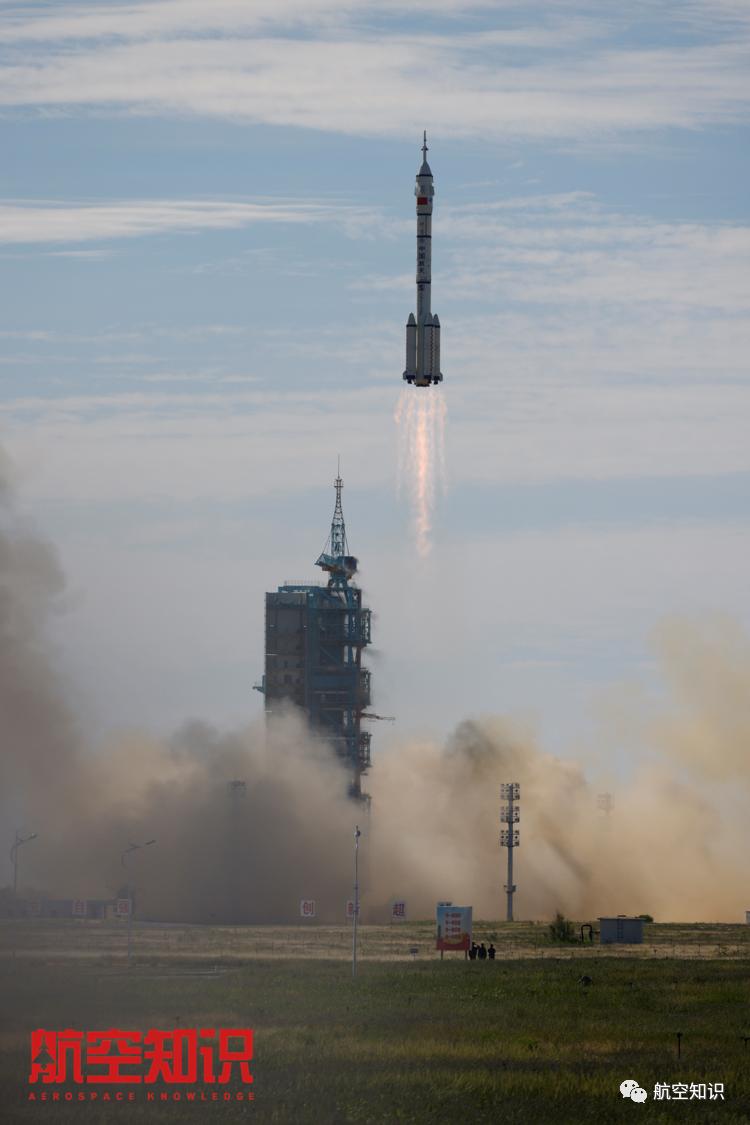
x: 207, y: 260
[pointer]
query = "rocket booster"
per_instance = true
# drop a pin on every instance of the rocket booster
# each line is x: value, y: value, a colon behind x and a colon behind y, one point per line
x: 423, y: 331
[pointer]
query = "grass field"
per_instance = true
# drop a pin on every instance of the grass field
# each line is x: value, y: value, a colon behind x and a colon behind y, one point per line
x: 412, y: 1039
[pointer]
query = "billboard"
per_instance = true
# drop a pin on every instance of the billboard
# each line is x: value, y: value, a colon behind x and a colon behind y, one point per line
x: 307, y: 907
x: 398, y: 910
x: 453, y: 928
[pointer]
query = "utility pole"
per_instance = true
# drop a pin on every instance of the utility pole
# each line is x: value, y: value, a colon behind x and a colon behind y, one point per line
x: 237, y: 791
x: 14, y: 856
x: 355, y: 920
x: 131, y: 894
x: 509, y: 837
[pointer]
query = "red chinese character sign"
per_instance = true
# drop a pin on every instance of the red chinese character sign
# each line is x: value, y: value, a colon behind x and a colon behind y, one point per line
x: 349, y: 909
x: 79, y: 908
x: 122, y: 907
x: 114, y: 1057
x: 453, y: 928
x: 307, y: 908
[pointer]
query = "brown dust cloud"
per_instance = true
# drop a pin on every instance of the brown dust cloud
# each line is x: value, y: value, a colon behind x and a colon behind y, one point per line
x: 673, y: 845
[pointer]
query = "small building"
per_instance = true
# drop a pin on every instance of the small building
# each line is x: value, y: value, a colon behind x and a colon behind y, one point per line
x: 622, y: 929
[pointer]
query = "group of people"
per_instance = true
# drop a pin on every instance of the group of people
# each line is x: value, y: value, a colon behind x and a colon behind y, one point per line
x: 481, y: 952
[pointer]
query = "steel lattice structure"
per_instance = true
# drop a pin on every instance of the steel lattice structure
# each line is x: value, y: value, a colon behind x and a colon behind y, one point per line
x: 315, y: 635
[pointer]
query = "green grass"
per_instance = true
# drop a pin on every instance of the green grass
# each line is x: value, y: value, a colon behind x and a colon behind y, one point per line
x: 518, y: 1040
x: 43, y: 938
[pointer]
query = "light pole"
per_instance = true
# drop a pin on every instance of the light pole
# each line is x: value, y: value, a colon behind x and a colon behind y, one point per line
x: 357, y: 835
x: 14, y: 856
x: 132, y: 848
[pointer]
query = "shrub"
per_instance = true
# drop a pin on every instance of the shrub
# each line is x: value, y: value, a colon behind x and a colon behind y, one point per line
x: 561, y: 929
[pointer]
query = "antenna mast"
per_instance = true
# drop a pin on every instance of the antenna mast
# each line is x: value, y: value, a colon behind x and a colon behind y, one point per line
x: 335, y: 557
x: 338, y: 527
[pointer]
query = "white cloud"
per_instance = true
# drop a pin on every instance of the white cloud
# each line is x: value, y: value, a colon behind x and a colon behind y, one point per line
x: 596, y: 346
x: 147, y: 19
x: 26, y: 222
x: 363, y: 80
x: 515, y: 425
x: 612, y: 260
x: 562, y: 292
x: 163, y: 18
x: 186, y: 447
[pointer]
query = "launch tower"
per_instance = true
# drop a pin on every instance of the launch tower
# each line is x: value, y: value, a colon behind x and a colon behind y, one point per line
x: 315, y: 634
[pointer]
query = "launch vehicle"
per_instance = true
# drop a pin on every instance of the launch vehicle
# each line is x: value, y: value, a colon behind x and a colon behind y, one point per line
x: 423, y: 331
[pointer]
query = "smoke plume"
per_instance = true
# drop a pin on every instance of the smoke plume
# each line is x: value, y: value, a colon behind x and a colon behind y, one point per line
x: 673, y: 846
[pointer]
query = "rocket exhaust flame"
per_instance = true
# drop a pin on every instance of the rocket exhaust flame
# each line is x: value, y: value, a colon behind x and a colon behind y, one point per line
x: 421, y: 423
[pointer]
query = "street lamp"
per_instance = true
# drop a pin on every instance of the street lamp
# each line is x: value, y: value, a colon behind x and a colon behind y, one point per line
x: 132, y: 848
x: 357, y: 835
x: 14, y: 856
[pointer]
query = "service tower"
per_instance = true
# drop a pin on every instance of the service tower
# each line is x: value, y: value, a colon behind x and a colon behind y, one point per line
x: 423, y: 333
x: 315, y: 634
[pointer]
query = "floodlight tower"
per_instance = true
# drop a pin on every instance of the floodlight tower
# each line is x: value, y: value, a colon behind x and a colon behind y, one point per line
x: 234, y: 860
x: 131, y: 893
x: 19, y: 840
x: 355, y: 918
x: 509, y: 837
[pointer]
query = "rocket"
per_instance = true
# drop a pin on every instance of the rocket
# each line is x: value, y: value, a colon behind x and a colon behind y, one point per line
x: 423, y: 331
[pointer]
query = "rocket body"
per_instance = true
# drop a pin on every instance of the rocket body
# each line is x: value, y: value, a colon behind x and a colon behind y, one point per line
x: 423, y: 331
